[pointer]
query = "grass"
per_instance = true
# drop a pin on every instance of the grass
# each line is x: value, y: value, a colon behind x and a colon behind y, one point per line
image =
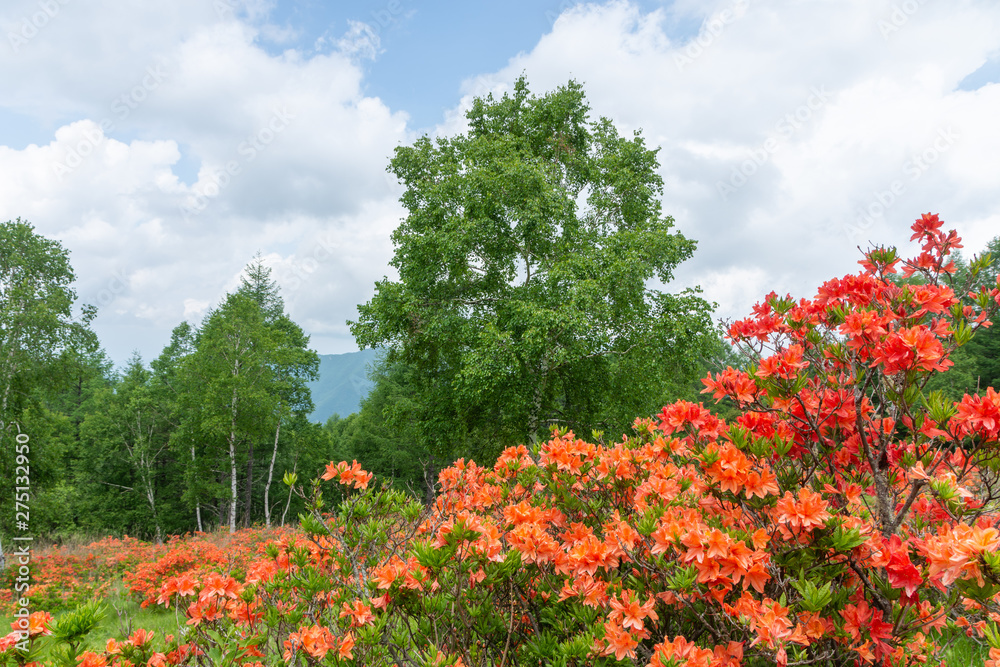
x: 966, y: 653
x: 122, y: 615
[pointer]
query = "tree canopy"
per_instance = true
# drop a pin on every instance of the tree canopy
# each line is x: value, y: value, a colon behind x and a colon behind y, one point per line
x: 43, y: 344
x: 529, y: 263
x: 246, y: 374
x: 37, y: 323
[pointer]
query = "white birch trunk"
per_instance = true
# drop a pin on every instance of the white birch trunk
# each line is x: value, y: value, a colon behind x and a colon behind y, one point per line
x: 197, y: 504
x: 270, y: 474
x: 289, y: 502
x: 232, y: 465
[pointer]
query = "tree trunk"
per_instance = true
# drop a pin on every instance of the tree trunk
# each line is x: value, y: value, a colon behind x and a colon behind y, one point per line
x: 232, y: 483
x: 248, y: 488
x: 197, y: 502
x: 430, y: 481
x: 10, y: 368
x: 288, y: 503
x: 150, y: 496
x: 535, y: 416
x: 270, y: 474
x: 232, y: 464
x: 140, y: 455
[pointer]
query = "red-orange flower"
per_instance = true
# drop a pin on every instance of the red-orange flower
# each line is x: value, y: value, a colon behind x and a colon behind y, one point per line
x: 805, y: 513
x: 359, y: 612
x: 348, y: 474
x: 627, y: 610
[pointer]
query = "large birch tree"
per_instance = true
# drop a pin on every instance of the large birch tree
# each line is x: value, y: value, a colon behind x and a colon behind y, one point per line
x: 530, y: 265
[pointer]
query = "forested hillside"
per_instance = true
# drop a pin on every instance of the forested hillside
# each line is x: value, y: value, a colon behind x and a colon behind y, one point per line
x: 342, y: 384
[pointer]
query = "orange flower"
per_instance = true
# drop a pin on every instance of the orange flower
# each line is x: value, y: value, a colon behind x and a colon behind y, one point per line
x: 91, y: 659
x: 757, y: 576
x: 808, y: 512
x: 38, y: 624
x: 218, y: 586
x: 690, y: 653
x: 186, y: 584
x: 315, y: 640
x: 620, y: 643
x: 387, y: 573
x: 140, y: 637
x: 8, y: 641
x: 348, y: 474
x: 346, y: 644
x: 568, y: 453
x: 628, y: 611
x: 245, y: 613
x: 359, y: 612
x: 732, y: 383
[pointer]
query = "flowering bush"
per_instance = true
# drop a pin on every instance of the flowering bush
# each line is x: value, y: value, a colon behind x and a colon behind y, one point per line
x: 846, y: 516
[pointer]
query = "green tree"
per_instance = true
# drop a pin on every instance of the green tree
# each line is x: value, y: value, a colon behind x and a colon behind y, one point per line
x: 62, y: 504
x: 977, y: 363
x: 231, y: 368
x: 36, y: 312
x: 134, y: 420
x: 177, y: 385
x: 525, y: 264
x: 38, y: 333
x: 246, y: 375
x: 293, y: 364
x: 384, y: 435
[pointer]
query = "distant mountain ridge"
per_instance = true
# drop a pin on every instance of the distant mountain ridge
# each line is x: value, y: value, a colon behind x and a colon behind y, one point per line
x: 343, y: 383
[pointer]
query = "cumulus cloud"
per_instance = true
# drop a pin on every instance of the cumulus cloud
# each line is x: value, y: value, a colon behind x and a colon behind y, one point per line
x: 286, y: 150
x: 178, y: 139
x: 790, y: 133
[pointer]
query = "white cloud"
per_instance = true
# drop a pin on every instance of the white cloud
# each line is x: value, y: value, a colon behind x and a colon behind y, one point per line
x: 741, y: 96
x: 287, y: 149
x: 360, y: 41
x: 177, y: 103
x: 195, y: 309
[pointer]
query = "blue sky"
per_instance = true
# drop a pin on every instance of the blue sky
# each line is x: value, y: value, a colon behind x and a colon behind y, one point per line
x: 427, y: 49
x: 165, y: 144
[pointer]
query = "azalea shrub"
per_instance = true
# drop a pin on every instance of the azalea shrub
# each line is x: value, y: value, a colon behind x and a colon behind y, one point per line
x: 59, y: 581
x: 846, y: 516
